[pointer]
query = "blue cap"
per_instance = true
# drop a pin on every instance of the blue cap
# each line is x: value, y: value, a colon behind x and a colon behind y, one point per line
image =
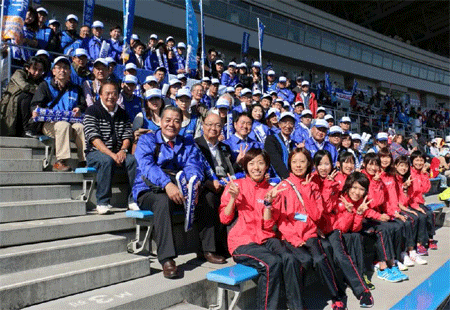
x: 382, y: 136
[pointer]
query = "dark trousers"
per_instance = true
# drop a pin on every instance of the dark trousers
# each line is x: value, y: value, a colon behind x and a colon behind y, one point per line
x: 431, y: 223
x: 398, y: 236
x: 347, y: 265
x: 106, y: 166
x: 24, y: 114
x: 420, y: 227
x: 382, y: 232
x: 312, y: 254
x: 270, y: 269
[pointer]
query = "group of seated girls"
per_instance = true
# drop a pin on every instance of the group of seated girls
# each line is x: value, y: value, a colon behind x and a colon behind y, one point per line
x: 325, y: 220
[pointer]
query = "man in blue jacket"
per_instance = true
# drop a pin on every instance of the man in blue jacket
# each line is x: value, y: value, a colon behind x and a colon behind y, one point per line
x: 116, y: 46
x: 94, y: 44
x: 229, y: 77
x: 317, y: 140
x: 160, y: 156
x: 70, y: 35
x: 284, y: 92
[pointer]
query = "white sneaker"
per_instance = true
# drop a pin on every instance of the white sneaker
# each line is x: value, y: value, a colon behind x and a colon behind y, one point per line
x: 133, y: 206
x: 406, y: 260
x: 104, y: 209
x: 401, y: 266
x: 417, y: 258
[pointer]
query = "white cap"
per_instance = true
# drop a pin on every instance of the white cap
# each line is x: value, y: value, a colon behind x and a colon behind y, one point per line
x: 130, y: 79
x: 345, y: 119
x: 447, y: 139
x: 153, y: 36
x: 232, y: 64
x: 257, y: 92
x: 286, y: 103
x: 154, y: 92
x: 356, y: 136
x: 161, y: 68
x: 52, y: 21
x: 305, y: 83
x: 287, y: 114
x: 215, y: 81
x: 306, y: 112
x: 245, y: 91
x: 183, y: 92
x: 102, y: 61
x: 174, y: 81
x: 181, y: 45
x: 181, y: 76
x: 328, y: 117
x: 298, y: 103
x: 256, y: 64
x: 321, y: 109
x: 222, y: 103
x: 219, y: 61
x: 230, y: 89
x: 80, y: 52
x: 71, y: 16
x: 282, y: 79
x: 130, y: 66
x: 321, y: 123
x: 41, y: 9
x: 242, y: 65
x: 60, y: 58
x: 279, y: 100
x: 334, y: 130
x: 382, y: 136
x: 272, y: 111
x: 267, y: 96
x: 149, y: 79
x: 270, y: 72
x: 97, y: 24
x: 134, y: 37
x: 170, y: 38
x: 110, y: 60
x: 42, y: 52
x: 273, y: 92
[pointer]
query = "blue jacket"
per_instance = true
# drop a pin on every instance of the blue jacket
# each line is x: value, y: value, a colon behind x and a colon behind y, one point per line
x: 75, y: 78
x: 93, y: 46
x: 189, y: 130
x: 286, y: 94
x: 259, y: 132
x: 312, y: 146
x: 184, y: 156
x: 235, y: 144
x: 43, y: 36
x: 227, y: 80
x: 148, y: 123
x: 300, y: 134
x: 133, y: 106
x: 115, y: 50
x: 67, y: 40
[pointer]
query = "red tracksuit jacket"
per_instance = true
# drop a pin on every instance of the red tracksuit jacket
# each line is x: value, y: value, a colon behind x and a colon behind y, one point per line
x: 288, y: 204
x: 249, y: 205
x: 340, y: 179
x: 377, y: 193
x: 347, y: 221
x: 329, y: 190
x: 421, y: 185
x: 392, y: 188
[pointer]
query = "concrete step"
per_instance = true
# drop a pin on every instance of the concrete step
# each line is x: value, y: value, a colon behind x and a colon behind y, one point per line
x: 13, y: 165
x: 29, y: 178
x: 8, y: 142
x: 32, y: 256
x: 19, y: 233
x: 30, y: 287
x: 33, y: 193
x: 41, y: 209
x: 185, y: 306
x: 16, y: 153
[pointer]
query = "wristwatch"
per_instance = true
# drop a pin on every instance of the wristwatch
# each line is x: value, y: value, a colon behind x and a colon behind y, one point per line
x: 125, y: 150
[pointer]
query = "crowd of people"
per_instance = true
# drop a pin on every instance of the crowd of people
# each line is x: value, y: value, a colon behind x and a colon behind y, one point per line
x: 286, y: 188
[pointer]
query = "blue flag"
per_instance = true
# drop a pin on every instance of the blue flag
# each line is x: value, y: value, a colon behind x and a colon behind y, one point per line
x: 128, y: 19
x: 191, y: 35
x: 355, y: 85
x: 327, y: 83
x: 261, y: 33
x: 88, y: 14
x: 200, y: 4
x: 14, y: 13
x: 245, y: 45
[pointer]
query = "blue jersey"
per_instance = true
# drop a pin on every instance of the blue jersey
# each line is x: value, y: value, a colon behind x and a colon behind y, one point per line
x: 236, y: 143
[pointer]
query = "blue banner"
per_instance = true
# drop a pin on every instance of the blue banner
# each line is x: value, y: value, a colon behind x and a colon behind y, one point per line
x: 37, y: 1
x: 200, y: 4
x: 355, y: 85
x: 128, y: 19
x: 14, y: 13
x: 191, y: 35
x: 327, y: 83
x: 245, y: 45
x: 261, y: 28
x: 88, y: 14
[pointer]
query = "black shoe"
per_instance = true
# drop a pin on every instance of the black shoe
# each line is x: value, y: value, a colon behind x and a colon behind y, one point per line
x: 369, y: 284
x: 366, y: 300
x: 30, y: 134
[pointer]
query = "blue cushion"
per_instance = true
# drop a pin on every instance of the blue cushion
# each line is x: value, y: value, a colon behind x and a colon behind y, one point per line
x: 232, y: 275
x: 44, y: 138
x: 141, y: 214
x: 86, y: 170
x: 435, y: 206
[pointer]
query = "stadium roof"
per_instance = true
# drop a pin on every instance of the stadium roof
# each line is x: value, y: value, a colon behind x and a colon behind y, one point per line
x: 424, y: 24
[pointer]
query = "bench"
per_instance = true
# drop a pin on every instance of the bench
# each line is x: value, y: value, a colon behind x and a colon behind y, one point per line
x: 230, y: 279
x: 435, y: 186
x: 88, y: 177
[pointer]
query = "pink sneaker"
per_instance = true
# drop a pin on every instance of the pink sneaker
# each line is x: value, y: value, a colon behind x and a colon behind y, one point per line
x: 421, y: 250
x: 432, y: 245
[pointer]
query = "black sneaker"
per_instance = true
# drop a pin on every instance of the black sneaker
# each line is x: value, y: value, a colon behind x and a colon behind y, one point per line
x: 369, y: 284
x: 366, y: 300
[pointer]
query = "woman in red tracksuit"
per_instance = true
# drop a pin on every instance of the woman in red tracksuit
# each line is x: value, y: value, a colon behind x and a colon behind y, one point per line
x: 421, y: 185
x: 376, y: 224
x: 251, y: 240
x: 300, y: 208
x: 346, y: 167
x: 419, y: 223
x: 402, y: 233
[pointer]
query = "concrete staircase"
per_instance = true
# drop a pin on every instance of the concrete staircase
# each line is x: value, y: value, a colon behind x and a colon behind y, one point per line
x: 50, y: 245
